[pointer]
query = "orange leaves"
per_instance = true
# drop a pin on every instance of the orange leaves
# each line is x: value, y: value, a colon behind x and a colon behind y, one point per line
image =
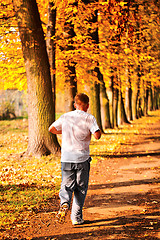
x: 6, y: 11
x: 121, y: 42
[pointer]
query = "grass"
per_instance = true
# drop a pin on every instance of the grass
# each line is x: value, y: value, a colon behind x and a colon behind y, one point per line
x: 19, y: 201
x: 28, y: 183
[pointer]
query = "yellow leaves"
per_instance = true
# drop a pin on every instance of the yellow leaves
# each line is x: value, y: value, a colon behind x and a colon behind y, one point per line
x: 104, y: 3
x: 13, y: 142
x: 118, y: 42
x: 127, y: 50
x: 6, y: 9
x: 12, y: 69
x: 25, y: 182
x: 18, y: 201
x: 122, y: 4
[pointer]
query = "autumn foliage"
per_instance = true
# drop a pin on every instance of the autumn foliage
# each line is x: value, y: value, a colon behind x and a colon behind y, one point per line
x: 121, y: 38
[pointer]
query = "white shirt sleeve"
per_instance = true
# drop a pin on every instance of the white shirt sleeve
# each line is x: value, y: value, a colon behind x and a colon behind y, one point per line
x: 94, y: 126
x: 58, y: 123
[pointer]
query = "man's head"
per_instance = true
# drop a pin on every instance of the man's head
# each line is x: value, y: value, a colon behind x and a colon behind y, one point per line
x: 81, y: 102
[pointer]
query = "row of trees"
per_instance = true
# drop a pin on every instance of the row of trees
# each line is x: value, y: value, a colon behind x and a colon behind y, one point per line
x: 109, y: 49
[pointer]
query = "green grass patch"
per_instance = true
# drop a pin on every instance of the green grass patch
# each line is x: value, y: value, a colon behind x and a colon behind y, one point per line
x: 17, y: 202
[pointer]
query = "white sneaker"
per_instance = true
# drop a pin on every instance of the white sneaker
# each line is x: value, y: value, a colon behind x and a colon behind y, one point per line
x: 77, y: 223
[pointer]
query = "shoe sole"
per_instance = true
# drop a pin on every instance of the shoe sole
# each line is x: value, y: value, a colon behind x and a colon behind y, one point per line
x: 77, y: 223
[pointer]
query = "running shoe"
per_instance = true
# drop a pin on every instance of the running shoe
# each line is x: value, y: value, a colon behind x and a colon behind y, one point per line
x: 62, y: 213
x: 77, y: 222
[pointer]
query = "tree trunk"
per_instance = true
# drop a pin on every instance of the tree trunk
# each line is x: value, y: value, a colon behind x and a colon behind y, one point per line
x: 113, y: 93
x: 145, y: 100
x: 150, y: 104
x: 105, y: 113
x: 115, y: 107
x: 114, y: 90
x: 134, y: 106
x: 138, y: 107
x: 40, y: 101
x: 51, y: 48
x: 128, y: 101
x: 95, y: 103
x: 70, y: 87
x: 156, y: 98
x: 136, y: 98
x: 122, y: 118
x: 139, y: 112
x: 110, y: 97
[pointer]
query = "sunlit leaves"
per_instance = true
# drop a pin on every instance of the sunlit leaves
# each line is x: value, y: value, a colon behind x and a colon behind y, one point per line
x: 24, y: 182
x: 12, y: 72
x: 121, y: 43
x: 14, y: 138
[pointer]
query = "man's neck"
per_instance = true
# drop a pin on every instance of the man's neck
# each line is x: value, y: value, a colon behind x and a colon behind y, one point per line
x: 80, y: 109
x: 83, y: 108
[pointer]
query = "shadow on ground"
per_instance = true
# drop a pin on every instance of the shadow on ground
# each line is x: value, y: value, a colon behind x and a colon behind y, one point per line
x: 135, y: 224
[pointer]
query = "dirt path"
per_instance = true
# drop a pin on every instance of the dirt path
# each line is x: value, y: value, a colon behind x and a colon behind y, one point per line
x: 123, y: 200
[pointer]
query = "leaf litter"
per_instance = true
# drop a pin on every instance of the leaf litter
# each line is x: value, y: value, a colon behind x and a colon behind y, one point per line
x: 28, y: 185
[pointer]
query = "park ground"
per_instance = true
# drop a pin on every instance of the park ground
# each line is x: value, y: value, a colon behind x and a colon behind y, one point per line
x: 123, y: 200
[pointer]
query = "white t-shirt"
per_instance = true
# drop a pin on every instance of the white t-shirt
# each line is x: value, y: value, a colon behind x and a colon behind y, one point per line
x: 77, y: 127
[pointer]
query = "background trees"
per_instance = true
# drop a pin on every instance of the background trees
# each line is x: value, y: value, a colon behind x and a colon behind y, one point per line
x: 110, y: 47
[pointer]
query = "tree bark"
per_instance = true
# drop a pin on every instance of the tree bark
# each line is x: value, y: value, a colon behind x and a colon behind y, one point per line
x: 156, y: 98
x: 113, y: 94
x: 122, y: 118
x: 95, y: 103
x: 40, y: 101
x: 105, y: 112
x: 128, y: 102
x: 51, y: 48
x: 115, y: 107
x: 146, y: 100
x: 70, y: 88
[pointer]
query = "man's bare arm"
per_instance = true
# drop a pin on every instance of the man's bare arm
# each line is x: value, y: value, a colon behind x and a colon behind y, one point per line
x: 97, y: 134
x: 53, y: 130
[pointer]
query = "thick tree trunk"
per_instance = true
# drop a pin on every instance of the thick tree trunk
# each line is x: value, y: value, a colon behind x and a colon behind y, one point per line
x: 40, y: 101
x: 105, y: 113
